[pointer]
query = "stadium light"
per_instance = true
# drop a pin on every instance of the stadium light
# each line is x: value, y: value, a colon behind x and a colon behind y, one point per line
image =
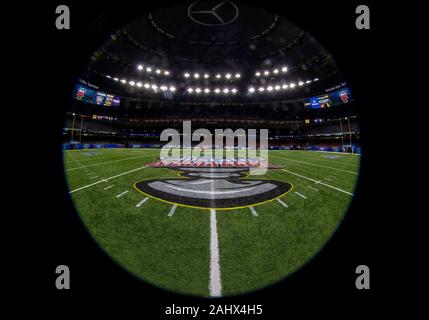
x: 196, y: 75
x: 154, y: 87
x: 217, y: 90
x: 172, y: 89
x: 198, y: 90
x: 158, y: 71
x: 285, y: 86
x: 316, y: 79
x: 116, y: 79
x: 266, y: 72
x: 226, y: 90
x: 140, y: 67
x: 164, y: 88
x: 147, y: 85
x: 207, y: 90
x: 276, y: 71
x: 107, y: 76
x: 258, y: 74
x: 190, y: 90
x: 301, y: 83
x: 277, y: 87
x: 132, y: 83
x: 166, y: 73
x: 237, y: 76
x: 139, y: 84
x: 123, y: 81
x: 251, y: 89
x: 206, y: 76
x: 228, y: 76
x: 261, y: 89
x: 270, y: 88
x: 284, y: 69
x: 234, y: 91
x: 187, y: 75
x: 218, y: 76
x: 308, y: 81
x: 292, y: 85
x: 149, y: 69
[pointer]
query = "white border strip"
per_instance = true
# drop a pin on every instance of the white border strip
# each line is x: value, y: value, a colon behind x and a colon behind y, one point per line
x: 314, y: 164
x: 282, y: 203
x: 101, y: 163
x: 141, y: 202
x: 172, y: 210
x: 105, y: 180
x: 318, y: 182
x: 301, y: 195
x: 121, y: 194
x: 253, y: 211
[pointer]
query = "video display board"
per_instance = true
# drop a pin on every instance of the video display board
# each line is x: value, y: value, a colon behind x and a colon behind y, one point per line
x: 339, y: 97
x: 86, y: 94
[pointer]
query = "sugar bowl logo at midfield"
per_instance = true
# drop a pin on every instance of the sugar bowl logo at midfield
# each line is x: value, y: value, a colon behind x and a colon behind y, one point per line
x: 208, y: 184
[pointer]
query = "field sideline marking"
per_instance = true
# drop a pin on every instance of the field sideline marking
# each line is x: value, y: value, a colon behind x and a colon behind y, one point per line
x: 141, y: 202
x: 318, y: 182
x: 301, y: 195
x: 215, y: 282
x: 105, y: 180
x: 99, y: 164
x: 172, y: 210
x: 121, y: 194
x: 109, y: 187
x: 314, y: 164
x: 282, y: 203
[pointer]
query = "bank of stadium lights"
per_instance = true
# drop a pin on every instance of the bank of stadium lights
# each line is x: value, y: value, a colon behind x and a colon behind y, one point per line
x: 145, y: 85
x: 278, y: 87
x: 227, y: 76
x: 225, y: 91
x: 275, y: 71
x: 150, y: 70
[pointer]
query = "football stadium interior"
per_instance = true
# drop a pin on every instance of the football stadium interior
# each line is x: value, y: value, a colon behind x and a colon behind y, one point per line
x: 217, y: 230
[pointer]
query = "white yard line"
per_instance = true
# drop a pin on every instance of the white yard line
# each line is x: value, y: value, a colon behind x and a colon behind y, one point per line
x: 107, y: 179
x: 253, y: 211
x: 301, y: 195
x: 141, y: 202
x: 121, y: 194
x: 314, y: 164
x: 172, y: 210
x: 318, y: 182
x: 99, y: 164
x: 282, y: 203
x: 215, y: 285
x: 109, y: 187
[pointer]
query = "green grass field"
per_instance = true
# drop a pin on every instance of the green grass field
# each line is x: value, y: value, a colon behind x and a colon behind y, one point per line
x: 174, y: 252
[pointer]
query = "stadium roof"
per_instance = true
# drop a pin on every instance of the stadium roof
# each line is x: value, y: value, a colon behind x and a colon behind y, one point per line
x: 212, y: 51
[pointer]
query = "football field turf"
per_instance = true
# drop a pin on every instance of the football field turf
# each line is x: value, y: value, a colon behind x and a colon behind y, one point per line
x: 209, y: 252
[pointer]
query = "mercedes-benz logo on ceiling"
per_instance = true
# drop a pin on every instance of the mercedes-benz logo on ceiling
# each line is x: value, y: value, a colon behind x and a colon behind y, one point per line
x: 217, y: 15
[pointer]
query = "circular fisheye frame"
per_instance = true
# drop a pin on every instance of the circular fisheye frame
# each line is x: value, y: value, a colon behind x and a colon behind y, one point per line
x: 211, y: 148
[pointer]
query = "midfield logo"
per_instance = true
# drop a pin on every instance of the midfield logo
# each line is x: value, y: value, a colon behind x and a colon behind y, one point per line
x: 210, y: 187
